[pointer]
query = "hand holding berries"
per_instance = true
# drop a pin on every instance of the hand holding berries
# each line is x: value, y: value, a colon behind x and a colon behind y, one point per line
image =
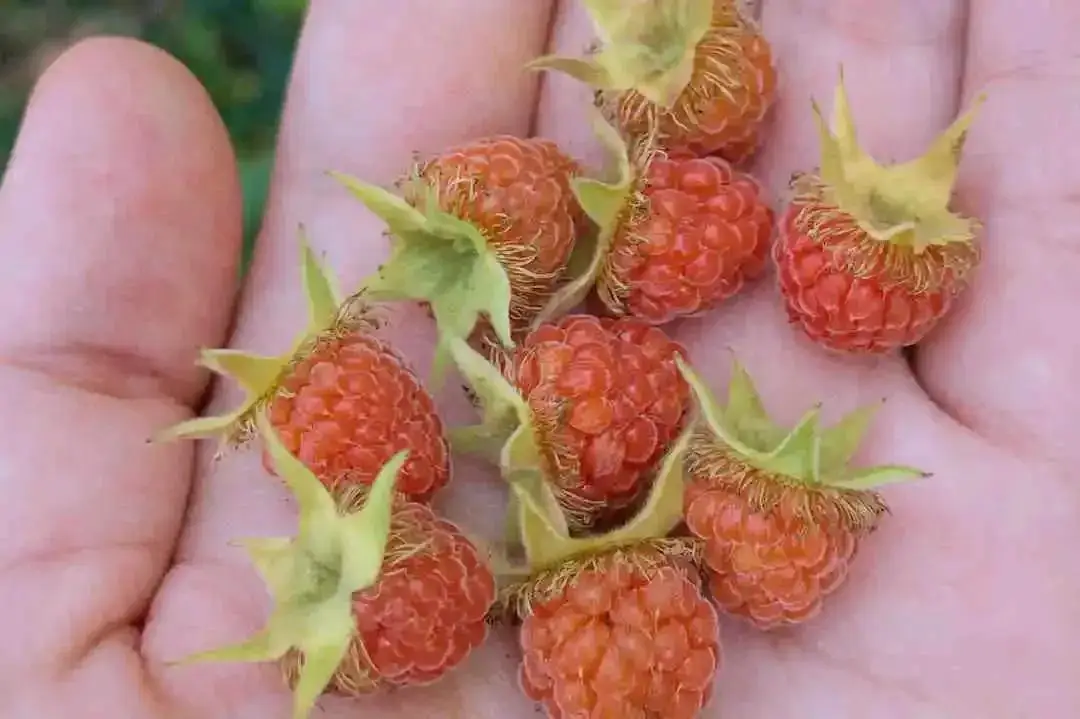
x: 122, y: 215
x: 608, y: 440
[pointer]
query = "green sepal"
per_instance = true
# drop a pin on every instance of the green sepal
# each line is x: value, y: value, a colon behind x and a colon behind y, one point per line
x: 605, y: 202
x: 321, y: 290
x: 313, y: 576
x: 520, y: 453
x: 259, y: 375
x: 878, y: 476
x: 504, y: 435
x: 840, y: 442
x: 798, y: 454
x: 586, y: 70
x: 646, y: 47
x: 905, y: 203
x: 440, y: 259
x: 805, y: 453
x: 546, y: 537
x: 502, y: 409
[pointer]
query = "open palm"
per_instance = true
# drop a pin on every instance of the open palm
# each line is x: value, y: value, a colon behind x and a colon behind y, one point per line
x: 120, y: 222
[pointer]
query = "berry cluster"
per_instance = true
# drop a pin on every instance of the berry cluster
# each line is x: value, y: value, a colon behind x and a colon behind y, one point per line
x: 639, y: 503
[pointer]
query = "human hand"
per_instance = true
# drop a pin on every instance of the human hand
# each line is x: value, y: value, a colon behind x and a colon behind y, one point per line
x: 120, y: 214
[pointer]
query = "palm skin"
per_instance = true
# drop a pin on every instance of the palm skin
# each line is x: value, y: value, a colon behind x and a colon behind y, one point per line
x: 120, y: 215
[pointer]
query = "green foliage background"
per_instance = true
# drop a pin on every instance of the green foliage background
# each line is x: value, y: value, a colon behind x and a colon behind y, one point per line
x: 240, y: 49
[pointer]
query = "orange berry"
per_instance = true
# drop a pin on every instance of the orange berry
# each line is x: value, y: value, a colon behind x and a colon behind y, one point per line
x: 516, y: 191
x: 720, y: 111
x: 607, y: 399
x: 427, y: 611
x: 774, y: 505
x: 622, y: 640
x: 871, y: 257
x: 706, y: 233
x: 352, y: 404
x: 772, y: 567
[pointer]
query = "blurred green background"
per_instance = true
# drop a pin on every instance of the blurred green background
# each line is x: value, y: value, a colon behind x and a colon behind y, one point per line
x: 240, y: 49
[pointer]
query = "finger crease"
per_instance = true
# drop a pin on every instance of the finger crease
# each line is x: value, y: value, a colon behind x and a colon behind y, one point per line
x: 104, y: 371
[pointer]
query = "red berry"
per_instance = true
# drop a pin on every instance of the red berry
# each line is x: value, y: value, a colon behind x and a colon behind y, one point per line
x: 352, y: 404
x: 607, y: 399
x: 705, y: 231
x: 871, y: 256
x: 428, y: 610
x: 852, y: 293
x: 775, y: 506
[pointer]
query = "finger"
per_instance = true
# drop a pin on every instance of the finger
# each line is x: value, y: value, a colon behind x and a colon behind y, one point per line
x: 120, y: 224
x: 1001, y: 361
x: 373, y: 82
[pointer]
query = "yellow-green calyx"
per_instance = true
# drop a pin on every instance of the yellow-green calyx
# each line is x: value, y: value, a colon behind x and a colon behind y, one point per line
x: 546, y: 538
x: 906, y: 203
x: 553, y: 558
x: 439, y: 259
x: 329, y: 315
x: 606, y: 201
x: 314, y: 575
x: 805, y: 457
x: 646, y: 45
x: 504, y: 434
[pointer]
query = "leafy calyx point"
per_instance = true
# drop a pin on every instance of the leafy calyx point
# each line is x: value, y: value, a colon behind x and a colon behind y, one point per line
x: 606, y: 201
x: 440, y: 259
x: 504, y: 433
x: 647, y: 46
x: 329, y: 316
x: 805, y: 455
x: 546, y: 538
x: 904, y: 203
x: 314, y: 575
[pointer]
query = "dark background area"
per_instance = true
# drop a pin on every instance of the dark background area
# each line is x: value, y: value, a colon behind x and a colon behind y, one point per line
x: 241, y: 50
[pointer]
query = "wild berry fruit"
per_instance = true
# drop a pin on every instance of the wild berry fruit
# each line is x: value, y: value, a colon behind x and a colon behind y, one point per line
x: 781, y: 512
x: 624, y: 639
x: 481, y: 232
x: 342, y: 399
x: 697, y: 74
x: 614, y: 625
x: 373, y: 592
x: 601, y: 400
x: 698, y: 231
x: 426, y: 613
x: 870, y: 256
x: 677, y: 234
x: 346, y: 408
